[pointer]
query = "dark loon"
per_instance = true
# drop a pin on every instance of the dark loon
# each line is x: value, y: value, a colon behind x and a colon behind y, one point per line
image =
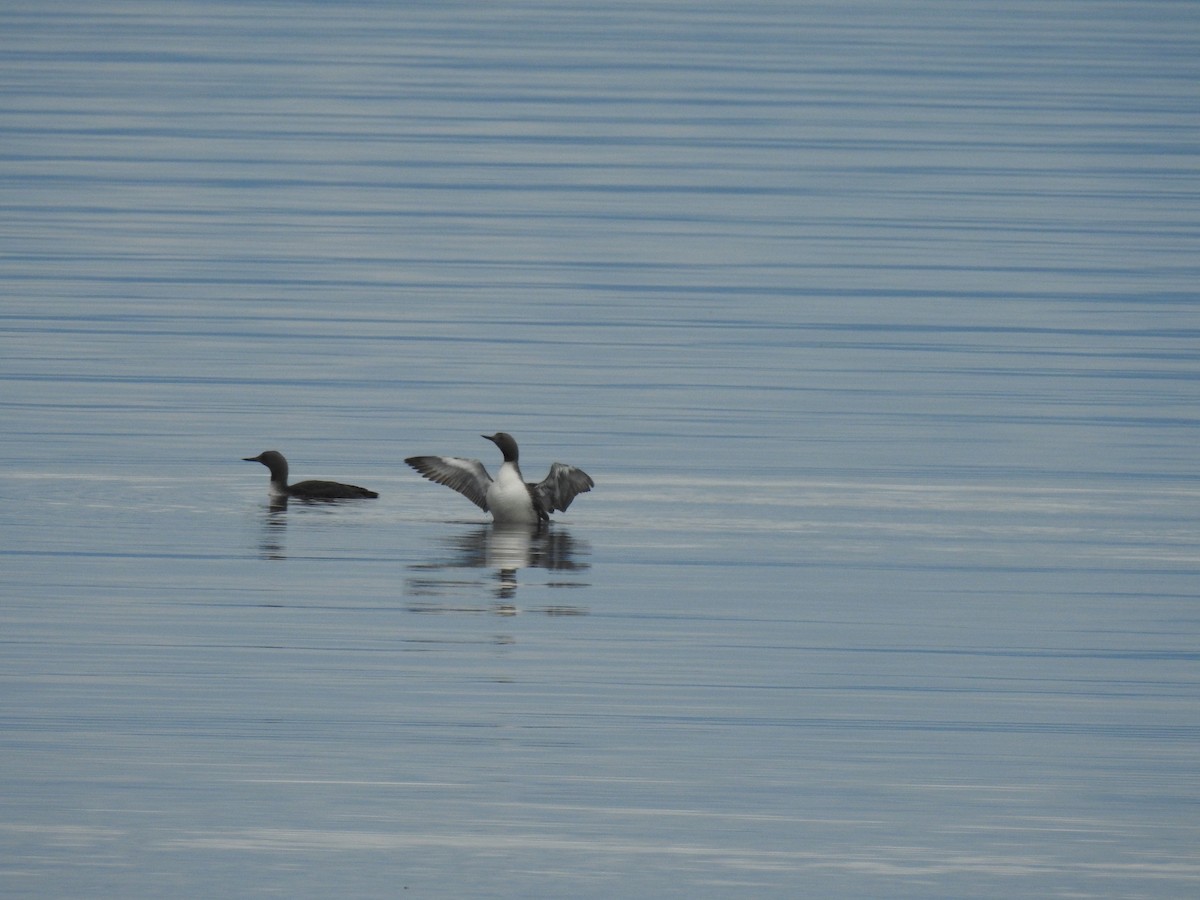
x: 510, y: 499
x: 304, y: 490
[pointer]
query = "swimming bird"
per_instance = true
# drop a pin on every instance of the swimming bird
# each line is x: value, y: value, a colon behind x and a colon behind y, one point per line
x: 509, y: 498
x: 304, y: 490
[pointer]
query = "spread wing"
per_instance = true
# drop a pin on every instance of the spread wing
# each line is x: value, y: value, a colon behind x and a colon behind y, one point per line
x: 467, y: 476
x: 561, y: 486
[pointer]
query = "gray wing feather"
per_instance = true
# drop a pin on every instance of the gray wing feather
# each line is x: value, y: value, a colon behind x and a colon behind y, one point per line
x: 561, y: 486
x: 467, y: 476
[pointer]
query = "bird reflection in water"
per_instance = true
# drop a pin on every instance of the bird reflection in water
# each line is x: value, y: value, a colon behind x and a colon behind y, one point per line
x: 274, y: 529
x: 274, y: 524
x: 504, y: 549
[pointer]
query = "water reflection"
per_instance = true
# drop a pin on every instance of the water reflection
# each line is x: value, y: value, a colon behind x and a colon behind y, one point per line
x: 274, y: 528
x: 503, y: 550
x: 271, y: 543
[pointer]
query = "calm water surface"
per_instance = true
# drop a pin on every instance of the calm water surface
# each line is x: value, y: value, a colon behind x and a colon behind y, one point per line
x: 876, y: 326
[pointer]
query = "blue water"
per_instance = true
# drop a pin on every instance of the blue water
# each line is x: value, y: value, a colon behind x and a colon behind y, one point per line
x: 876, y: 326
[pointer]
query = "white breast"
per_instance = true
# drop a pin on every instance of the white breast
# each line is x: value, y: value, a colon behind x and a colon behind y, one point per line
x: 508, y: 498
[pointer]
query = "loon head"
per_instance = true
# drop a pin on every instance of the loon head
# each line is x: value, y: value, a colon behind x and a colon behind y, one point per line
x: 273, y: 460
x: 505, y: 442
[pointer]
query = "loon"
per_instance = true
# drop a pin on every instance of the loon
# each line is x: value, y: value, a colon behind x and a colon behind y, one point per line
x: 304, y: 490
x: 510, y: 499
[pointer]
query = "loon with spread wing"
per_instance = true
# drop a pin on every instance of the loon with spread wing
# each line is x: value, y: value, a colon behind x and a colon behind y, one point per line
x: 509, y: 498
